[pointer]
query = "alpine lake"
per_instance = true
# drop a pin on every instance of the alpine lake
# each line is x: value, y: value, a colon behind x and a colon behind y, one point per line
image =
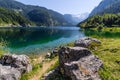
x: 38, y: 40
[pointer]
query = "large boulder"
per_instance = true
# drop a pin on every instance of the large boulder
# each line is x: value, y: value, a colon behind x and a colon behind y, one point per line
x: 87, y: 42
x: 14, y: 66
x: 69, y: 54
x: 79, y: 63
x: 9, y: 73
x: 85, y: 69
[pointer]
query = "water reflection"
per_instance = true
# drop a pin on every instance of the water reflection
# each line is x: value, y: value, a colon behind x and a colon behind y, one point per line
x: 103, y: 34
x: 36, y: 40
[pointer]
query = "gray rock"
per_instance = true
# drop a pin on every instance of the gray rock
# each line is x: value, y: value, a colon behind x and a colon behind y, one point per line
x: 79, y: 63
x: 52, y: 74
x: 13, y: 66
x: 48, y: 55
x: 87, y: 42
x: 55, y: 52
x: 52, y: 54
x: 9, y: 73
x: 85, y: 69
x: 68, y: 54
x: 20, y: 62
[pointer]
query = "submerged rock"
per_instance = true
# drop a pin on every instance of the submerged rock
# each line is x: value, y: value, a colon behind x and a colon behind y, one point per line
x: 14, y: 66
x: 87, y: 42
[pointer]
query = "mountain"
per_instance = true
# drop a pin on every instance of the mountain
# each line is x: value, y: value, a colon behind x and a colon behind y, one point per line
x: 99, y: 21
x: 39, y: 15
x: 75, y: 19
x: 107, y: 6
x: 12, y: 18
x: 106, y: 14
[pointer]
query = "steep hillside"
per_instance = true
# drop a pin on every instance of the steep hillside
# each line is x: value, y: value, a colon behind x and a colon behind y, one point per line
x: 106, y: 20
x: 12, y: 18
x: 44, y: 17
x: 107, y: 6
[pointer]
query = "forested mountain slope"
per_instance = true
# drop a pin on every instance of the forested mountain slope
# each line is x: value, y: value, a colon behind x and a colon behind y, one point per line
x: 39, y: 15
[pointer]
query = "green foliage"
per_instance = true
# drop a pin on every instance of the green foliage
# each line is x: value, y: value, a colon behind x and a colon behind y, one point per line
x: 104, y: 33
x: 70, y: 44
x: 12, y: 18
x: 97, y: 21
x: 56, y: 77
x: 34, y: 71
x: 61, y: 77
x: 108, y: 52
x: 39, y: 15
x: 54, y: 66
x: 3, y: 45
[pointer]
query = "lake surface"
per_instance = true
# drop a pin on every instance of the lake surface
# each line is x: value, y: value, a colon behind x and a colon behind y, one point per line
x: 38, y: 40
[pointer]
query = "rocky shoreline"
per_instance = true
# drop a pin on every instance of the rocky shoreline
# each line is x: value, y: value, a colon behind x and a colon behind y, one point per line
x: 78, y: 62
x: 75, y: 63
x: 13, y: 66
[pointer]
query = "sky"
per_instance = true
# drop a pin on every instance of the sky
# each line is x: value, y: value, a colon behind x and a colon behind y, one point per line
x: 65, y: 6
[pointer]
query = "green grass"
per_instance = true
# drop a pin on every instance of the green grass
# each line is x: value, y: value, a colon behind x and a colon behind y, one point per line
x: 53, y: 67
x: 108, y: 52
x: 3, y: 45
x: 35, y: 69
x: 70, y: 44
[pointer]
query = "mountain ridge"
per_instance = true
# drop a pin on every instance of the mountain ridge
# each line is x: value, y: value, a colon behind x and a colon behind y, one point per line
x: 106, y: 6
x: 76, y: 18
x: 45, y: 17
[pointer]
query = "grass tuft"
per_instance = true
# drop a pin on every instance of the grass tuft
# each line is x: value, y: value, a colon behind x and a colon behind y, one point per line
x: 108, y: 52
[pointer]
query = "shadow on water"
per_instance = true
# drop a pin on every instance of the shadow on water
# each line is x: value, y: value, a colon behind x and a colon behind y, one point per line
x: 102, y: 34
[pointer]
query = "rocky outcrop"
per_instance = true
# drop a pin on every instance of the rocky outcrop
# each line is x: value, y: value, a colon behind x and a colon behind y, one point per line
x: 87, y: 42
x: 77, y: 63
x: 52, y: 74
x: 13, y: 66
x: 9, y: 73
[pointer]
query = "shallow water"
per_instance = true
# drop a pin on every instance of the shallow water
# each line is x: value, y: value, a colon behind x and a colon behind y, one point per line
x: 38, y: 40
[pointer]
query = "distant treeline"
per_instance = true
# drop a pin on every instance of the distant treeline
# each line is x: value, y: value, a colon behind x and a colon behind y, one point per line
x: 105, y: 20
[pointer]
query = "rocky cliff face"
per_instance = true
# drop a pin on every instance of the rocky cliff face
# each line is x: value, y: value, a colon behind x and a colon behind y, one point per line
x: 77, y: 63
x: 107, y: 6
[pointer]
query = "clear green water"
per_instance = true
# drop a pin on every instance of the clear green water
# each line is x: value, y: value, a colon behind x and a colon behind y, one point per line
x: 102, y: 34
x: 38, y: 40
